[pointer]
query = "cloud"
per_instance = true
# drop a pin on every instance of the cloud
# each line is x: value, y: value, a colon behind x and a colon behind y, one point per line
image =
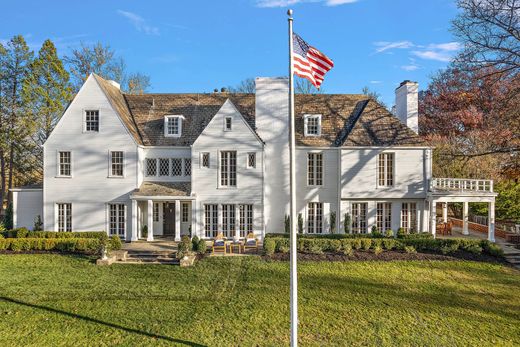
x: 385, y: 45
x: 410, y: 67
x: 139, y: 23
x: 375, y: 82
x: 286, y: 3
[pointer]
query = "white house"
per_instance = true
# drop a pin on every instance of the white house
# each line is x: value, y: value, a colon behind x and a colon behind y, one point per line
x: 201, y: 164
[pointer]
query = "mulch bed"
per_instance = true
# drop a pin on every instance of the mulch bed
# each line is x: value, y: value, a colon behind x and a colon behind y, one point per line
x: 387, y: 256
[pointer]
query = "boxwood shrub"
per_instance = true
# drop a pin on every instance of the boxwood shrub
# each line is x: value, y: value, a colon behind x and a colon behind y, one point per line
x: 24, y: 233
x: 75, y: 245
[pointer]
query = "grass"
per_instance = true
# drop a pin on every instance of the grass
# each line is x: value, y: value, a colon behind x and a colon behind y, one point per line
x: 53, y: 300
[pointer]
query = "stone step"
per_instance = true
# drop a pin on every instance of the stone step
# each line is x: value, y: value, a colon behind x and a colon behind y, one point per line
x: 151, y: 254
x: 156, y: 261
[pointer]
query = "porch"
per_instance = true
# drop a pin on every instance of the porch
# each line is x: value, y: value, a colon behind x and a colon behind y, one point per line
x: 162, y: 210
x: 453, y: 190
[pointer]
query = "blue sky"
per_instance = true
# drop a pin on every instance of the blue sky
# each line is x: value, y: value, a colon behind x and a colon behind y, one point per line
x: 196, y: 46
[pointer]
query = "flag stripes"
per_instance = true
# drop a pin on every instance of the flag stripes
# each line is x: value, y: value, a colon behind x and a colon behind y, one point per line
x: 309, y: 63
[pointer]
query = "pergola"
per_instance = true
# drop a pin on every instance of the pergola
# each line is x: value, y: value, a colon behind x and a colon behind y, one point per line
x: 446, y: 190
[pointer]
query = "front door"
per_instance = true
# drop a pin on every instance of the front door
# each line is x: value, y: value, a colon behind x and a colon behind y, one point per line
x: 169, y: 219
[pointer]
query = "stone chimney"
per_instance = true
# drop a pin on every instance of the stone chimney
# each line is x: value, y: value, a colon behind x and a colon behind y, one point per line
x: 407, y: 104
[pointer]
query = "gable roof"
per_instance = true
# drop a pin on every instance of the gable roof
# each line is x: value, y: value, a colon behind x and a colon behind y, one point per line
x: 347, y: 119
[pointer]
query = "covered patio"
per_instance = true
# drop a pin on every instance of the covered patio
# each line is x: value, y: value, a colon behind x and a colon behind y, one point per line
x: 164, y: 208
x: 452, y: 190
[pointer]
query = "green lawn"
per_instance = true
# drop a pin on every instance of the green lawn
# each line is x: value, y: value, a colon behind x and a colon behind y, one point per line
x: 52, y: 300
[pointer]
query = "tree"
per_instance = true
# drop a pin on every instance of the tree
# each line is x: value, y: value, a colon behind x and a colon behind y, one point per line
x: 373, y: 95
x: 102, y: 60
x: 304, y: 86
x: 137, y: 83
x: 245, y: 86
x: 490, y: 32
x: 15, y: 126
x: 46, y: 92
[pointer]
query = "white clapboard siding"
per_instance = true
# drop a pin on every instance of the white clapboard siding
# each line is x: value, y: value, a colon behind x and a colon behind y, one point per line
x: 27, y: 206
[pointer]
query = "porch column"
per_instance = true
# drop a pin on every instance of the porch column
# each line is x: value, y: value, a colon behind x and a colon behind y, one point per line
x: 149, y: 211
x: 134, y: 232
x: 177, y: 220
x: 194, y: 231
x: 491, y: 221
x: 465, y: 218
x: 433, y: 218
x: 237, y: 222
x: 445, y: 212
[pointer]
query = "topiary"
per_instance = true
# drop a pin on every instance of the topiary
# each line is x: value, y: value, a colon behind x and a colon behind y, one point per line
x: 115, y: 243
x: 38, y: 224
x: 269, y: 246
x: 366, y: 244
x: 346, y: 223
x: 201, y: 246
x: 195, y: 242
x: 389, y: 233
x: 378, y: 250
x: 347, y: 249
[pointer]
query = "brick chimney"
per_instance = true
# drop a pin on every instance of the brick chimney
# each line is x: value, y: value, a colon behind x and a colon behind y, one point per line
x: 407, y: 104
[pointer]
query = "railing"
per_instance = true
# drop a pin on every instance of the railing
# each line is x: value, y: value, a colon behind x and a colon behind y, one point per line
x: 461, y: 185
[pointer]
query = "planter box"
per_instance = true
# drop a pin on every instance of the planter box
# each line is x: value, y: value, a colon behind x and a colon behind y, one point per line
x: 108, y: 261
x: 188, y: 260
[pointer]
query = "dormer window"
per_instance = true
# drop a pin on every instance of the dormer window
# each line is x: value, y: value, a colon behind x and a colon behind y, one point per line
x: 312, y: 124
x: 173, y: 126
x: 228, y: 123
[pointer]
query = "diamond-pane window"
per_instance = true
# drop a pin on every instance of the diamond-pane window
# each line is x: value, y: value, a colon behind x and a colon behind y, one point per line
x: 205, y: 160
x: 151, y: 167
x: 187, y: 167
x: 164, y: 167
x: 176, y: 167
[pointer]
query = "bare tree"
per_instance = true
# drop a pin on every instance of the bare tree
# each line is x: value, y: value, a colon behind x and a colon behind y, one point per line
x: 246, y: 86
x: 373, y: 95
x: 490, y: 32
x: 304, y: 86
x: 137, y: 83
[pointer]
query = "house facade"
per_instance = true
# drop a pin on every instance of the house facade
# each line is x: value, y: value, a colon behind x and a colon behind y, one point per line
x: 167, y: 165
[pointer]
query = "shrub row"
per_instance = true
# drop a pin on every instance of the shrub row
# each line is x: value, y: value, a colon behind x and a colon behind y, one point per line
x: 24, y: 233
x: 346, y: 245
x: 78, y: 245
x: 375, y: 235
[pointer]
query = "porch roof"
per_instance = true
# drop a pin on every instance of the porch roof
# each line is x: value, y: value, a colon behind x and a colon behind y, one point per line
x: 174, y: 189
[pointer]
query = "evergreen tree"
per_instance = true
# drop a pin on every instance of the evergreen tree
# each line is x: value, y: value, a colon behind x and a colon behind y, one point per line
x: 46, y: 92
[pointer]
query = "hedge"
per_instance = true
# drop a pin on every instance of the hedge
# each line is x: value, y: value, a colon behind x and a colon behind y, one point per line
x: 24, y: 233
x: 319, y: 245
x: 350, y: 236
x: 76, y: 245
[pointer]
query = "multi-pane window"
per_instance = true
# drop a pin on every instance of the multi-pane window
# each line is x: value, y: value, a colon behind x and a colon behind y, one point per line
x: 172, y: 126
x: 385, y: 169
x: 205, y: 160
x: 315, y: 169
x: 211, y: 220
x: 176, y: 166
x: 164, y: 167
x: 409, y: 216
x: 312, y: 125
x: 228, y: 220
x: 155, y: 212
x: 92, y: 120
x: 228, y: 121
x: 251, y: 160
x: 151, y: 167
x: 185, y: 212
x: 116, y: 163
x: 245, y: 219
x: 315, y: 218
x: 359, y: 218
x: 65, y: 217
x: 64, y: 167
x: 384, y: 216
x: 187, y: 167
x: 117, y: 219
x: 228, y: 168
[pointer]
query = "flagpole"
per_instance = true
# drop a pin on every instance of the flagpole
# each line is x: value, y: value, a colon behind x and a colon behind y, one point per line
x: 293, y: 250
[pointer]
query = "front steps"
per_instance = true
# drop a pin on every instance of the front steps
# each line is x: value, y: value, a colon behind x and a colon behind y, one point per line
x: 147, y: 257
x: 512, y: 254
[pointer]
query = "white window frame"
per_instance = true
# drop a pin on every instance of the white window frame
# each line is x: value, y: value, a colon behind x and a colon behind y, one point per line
x: 246, y: 219
x: 85, y: 120
x: 315, y: 217
x: 248, y: 160
x: 388, y: 179
x: 210, y: 220
x: 173, y: 172
x: 179, y: 118
x: 316, y: 180
x: 168, y: 165
x: 58, y: 166
x: 228, y: 171
x: 146, y: 160
x: 306, y: 123
x: 202, y: 166
x: 229, y: 220
x: 67, y: 217
x: 121, y: 206
x: 185, y: 212
x: 356, y: 226
x: 230, y: 118
x: 156, y: 212
x: 110, y: 163
x: 409, y: 216
x: 186, y: 163
x: 383, y: 216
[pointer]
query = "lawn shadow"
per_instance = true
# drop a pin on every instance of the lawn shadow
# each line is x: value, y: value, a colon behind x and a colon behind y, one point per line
x: 94, y: 320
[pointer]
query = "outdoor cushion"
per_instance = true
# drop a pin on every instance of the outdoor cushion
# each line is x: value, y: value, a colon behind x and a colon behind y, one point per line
x: 219, y: 243
x: 251, y: 242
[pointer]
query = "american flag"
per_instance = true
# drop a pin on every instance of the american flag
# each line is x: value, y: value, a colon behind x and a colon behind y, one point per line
x: 308, y: 62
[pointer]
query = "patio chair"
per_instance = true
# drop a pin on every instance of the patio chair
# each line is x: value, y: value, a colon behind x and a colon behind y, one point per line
x: 219, y: 244
x: 250, y: 243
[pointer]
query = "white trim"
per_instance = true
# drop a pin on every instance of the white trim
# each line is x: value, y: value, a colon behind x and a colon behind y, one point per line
x: 230, y: 124
x: 84, y: 110
x: 247, y: 160
x: 173, y: 116
x: 306, y: 118
x: 58, y: 170
x: 201, y: 160
x: 394, y: 161
x: 110, y: 175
